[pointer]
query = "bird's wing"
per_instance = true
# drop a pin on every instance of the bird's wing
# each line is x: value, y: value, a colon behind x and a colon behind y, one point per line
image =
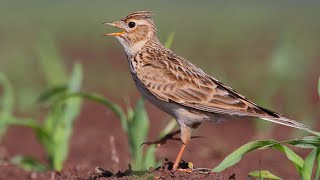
x: 179, y: 81
x: 193, y: 88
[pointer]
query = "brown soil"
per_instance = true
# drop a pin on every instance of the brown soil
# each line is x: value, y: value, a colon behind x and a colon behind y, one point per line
x: 90, y: 148
x: 82, y: 174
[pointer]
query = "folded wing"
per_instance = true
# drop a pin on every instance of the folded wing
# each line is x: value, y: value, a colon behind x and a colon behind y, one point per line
x: 181, y: 82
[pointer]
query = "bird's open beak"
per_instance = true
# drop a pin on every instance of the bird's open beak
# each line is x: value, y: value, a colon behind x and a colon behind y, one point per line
x: 115, y: 24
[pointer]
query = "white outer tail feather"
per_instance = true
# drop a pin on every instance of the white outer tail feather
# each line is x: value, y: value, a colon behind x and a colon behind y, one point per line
x: 288, y: 122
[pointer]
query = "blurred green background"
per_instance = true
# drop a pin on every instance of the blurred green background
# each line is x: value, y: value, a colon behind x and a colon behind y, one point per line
x: 268, y: 51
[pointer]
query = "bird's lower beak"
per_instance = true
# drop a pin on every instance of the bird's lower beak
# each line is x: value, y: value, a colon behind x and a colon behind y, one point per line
x: 115, y: 24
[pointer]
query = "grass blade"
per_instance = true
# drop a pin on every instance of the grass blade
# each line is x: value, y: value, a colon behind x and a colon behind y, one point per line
x: 50, y: 61
x: 308, y: 165
x: 30, y: 123
x: 101, y: 100
x: 28, y: 163
x: 51, y: 93
x: 169, y: 41
x: 169, y: 127
x: 236, y: 156
x: 291, y: 155
x: 264, y: 175
x: 75, y: 81
x: 318, y: 164
x: 67, y: 113
x: 6, y: 102
x: 149, y: 158
x: 306, y: 142
x: 137, y: 133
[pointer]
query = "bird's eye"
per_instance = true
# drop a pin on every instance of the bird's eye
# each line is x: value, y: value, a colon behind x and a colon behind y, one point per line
x: 131, y: 24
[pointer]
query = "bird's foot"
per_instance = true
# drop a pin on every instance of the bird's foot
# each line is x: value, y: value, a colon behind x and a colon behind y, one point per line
x: 184, y: 167
x: 167, y: 137
x: 161, y: 141
x: 189, y: 168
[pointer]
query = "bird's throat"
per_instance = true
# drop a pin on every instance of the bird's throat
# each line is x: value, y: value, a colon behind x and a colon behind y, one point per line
x: 131, y: 49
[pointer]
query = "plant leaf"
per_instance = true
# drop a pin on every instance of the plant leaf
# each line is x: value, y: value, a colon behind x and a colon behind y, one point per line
x: 236, y: 156
x: 50, y: 61
x: 318, y: 164
x: 75, y: 80
x: 264, y: 174
x: 129, y: 110
x: 28, y: 163
x: 149, y: 158
x: 308, y: 165
x: 169, y: 128
x: 52, y: 92
x: 6, y: 103
x: 101, y: 100
x: 63, y: 123
x: 169, y: 41
x: 137, y: 133
x: 291, y: 155
x: 305, y: 142
x: 30, y: 123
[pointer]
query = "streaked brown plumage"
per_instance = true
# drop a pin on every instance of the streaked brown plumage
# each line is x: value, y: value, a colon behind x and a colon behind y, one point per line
x: 177, y: 86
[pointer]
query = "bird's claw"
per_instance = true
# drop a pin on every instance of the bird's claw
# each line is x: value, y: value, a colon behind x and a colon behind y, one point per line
x: 160, y: 142
x: 164, y: 140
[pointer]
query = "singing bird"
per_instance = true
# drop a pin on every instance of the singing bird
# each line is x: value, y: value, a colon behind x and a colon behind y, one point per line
x: 177, y: 86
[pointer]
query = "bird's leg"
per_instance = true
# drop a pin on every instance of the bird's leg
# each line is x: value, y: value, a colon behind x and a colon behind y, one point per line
x: 185, y: 138
x: 163, y: 140
x: 167, y: 137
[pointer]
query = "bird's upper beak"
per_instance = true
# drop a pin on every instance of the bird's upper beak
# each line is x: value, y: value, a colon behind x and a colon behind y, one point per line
x: 115, y: 24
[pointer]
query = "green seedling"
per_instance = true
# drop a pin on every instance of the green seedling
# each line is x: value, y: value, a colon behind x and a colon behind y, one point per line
x: 135, y: 124
x: 55, y: 131
x: 261, y: 175
x: 6, y: 103
x: 304, y: 167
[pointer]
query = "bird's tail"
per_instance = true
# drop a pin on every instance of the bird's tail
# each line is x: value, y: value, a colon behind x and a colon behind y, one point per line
x: 287, y: 122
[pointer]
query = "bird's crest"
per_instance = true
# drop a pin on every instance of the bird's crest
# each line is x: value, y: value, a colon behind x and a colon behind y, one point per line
x: 139, y: 15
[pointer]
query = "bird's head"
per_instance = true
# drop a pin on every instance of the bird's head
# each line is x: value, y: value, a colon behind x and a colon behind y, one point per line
x: 137, y: 28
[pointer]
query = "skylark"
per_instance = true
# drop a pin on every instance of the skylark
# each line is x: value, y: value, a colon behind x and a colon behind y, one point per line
x: 178, y: 87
